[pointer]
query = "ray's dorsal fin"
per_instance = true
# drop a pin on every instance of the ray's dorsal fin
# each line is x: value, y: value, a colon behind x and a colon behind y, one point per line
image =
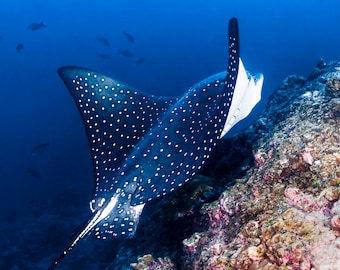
x: 115, y: 117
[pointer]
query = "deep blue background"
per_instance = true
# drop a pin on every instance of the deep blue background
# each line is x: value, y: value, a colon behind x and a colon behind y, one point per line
x: 184, y: 41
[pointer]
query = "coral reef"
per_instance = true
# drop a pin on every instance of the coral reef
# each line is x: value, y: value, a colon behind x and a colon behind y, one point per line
x: 284, y: 211
x: 285, y: 214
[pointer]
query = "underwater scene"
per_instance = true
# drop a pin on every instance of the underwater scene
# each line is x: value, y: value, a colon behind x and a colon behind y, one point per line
x: 187, y: 135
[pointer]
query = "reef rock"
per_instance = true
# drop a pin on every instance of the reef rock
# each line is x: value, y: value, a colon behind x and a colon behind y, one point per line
x: 284, y: 212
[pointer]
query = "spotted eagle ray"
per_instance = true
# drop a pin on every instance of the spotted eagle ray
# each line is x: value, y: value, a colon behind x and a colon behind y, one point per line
x: 145, y: 146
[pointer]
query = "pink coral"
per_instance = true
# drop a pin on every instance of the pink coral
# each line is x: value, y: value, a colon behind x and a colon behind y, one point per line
x: 335, y: 223
x: 307, y: 156
x: 259, y: 159
x: 305, y: 201
x: 191, y: 244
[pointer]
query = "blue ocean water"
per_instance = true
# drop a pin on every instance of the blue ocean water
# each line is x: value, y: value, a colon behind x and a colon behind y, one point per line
x: 182, y: 42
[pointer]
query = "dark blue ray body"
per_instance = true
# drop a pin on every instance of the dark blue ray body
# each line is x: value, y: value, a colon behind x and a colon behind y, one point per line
x: 145, y: 146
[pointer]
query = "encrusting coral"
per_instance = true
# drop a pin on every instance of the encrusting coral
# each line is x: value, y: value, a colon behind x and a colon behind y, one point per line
x: 284, y: 213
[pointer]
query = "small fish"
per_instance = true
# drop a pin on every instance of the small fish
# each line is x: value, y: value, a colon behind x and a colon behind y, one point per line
x: 34, y: 173
x: 125, y: 53
x: 36, y: 26
x: 20, y: 46
x: 144, y: 146
x: 128, y: 36
x: 40, y: 148
x: 1, y: 38
x: 140, y: 60
x: 104, y: 41
x: 103, y: 56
